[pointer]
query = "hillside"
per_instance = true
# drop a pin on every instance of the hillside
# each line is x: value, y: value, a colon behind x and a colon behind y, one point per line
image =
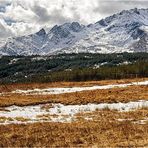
x: 72, y: 67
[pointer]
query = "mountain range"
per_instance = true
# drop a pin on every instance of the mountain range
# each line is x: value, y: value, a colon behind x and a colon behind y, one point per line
x: 126, y: 31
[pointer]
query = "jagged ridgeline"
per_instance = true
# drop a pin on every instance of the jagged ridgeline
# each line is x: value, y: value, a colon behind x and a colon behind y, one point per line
x: 126, y: 31
x: 73, y: 67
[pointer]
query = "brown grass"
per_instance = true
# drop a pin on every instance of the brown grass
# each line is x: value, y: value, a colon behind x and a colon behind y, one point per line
x: 12, y: 87
x: 131, y: 93
x: 103, y: 132
x: 112, y: 115
x: 3, y: 119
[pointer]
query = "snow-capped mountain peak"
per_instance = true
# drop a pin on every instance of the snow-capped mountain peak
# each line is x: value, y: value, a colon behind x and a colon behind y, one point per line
x: 124, y: 31
x: 64, y: 30
x: 42, y: 32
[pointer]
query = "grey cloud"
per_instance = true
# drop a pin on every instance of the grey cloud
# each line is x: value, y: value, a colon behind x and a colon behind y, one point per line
x: 5, y: 2
x: 111, y: 7
x: 57, y: 16
x: 3, y: 5
x: 9, y: 21
x: 4, y: 31
x: 2, y: 9
x: 41, y: 13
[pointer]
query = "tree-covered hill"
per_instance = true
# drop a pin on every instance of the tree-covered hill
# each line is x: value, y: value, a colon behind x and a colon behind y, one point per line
x: 72, y: 67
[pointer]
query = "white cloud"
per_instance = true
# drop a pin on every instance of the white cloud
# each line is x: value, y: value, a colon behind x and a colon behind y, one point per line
x: 28, y: 16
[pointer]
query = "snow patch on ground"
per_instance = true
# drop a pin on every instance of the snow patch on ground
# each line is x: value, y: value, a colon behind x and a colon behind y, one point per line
x: 13, y: 61
x: 142, y: 121
x: 59, y: 112
x: 74, y: 89
x: 39, y: 58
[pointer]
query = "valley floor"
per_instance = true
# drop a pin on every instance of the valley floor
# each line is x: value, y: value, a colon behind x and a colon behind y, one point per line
x: 98, y: 113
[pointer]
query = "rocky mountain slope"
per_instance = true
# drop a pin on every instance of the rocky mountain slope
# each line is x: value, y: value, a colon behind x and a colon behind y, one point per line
x: 124, y: 31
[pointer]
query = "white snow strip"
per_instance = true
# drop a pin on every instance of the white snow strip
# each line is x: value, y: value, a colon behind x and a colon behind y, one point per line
x: 74, y: 89
x: 59, y: 112
x: 142, y: 121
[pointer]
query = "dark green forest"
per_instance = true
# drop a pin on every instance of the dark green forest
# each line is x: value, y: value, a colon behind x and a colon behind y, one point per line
x: 72, y: 67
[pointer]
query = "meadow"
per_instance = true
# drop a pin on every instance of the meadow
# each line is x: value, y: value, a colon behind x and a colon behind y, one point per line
x: 99, y: 128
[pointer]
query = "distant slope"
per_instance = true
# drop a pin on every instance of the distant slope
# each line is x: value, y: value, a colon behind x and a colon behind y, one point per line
x: 124, y: 31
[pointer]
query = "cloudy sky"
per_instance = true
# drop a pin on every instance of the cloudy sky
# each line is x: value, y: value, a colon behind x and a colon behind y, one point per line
x: 20, y: 17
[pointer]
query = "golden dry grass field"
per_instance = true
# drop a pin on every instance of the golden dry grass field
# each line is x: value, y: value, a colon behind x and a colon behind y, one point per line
x: 107, y: 128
